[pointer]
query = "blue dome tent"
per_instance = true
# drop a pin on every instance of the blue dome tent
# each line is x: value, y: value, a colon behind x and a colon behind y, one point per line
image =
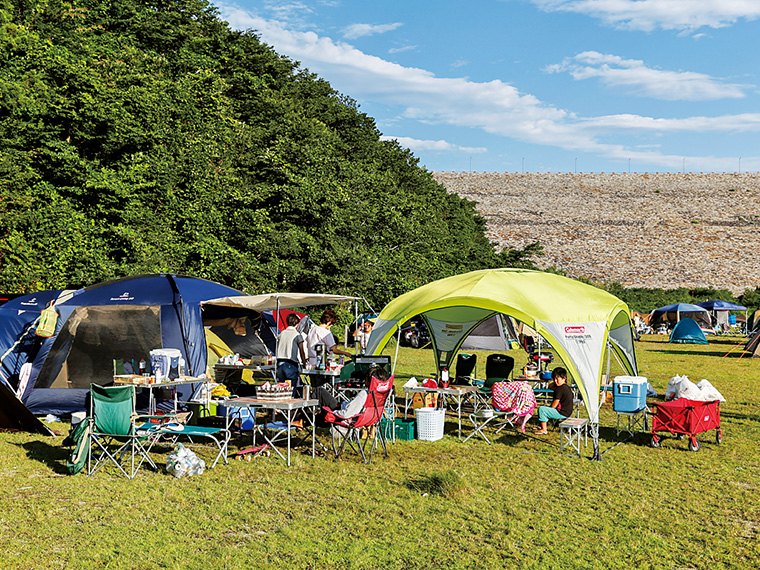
x: 687, y: 331
x: 120, y: 319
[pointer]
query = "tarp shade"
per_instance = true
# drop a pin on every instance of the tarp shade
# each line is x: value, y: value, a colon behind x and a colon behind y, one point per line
x: 576, y: 319
x: 720, y: 306
x: 273, y: 301
x: 671, y: 314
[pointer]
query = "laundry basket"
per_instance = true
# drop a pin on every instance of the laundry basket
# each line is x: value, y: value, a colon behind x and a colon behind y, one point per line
x: 430, y: 423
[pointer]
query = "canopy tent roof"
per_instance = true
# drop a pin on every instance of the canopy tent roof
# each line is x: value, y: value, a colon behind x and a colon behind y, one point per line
x: 575, y: 318
x: 681, y: 308
x: 274, y: 301
x: 720, y: 306
x: 675, y: 312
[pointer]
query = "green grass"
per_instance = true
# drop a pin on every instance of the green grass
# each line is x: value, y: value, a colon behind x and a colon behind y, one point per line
x: 514, y: 504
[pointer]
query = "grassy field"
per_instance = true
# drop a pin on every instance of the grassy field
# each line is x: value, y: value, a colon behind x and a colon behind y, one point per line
x: 515, y: 504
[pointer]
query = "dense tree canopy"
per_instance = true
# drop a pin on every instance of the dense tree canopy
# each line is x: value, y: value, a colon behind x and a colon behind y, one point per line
x: 148, y: 136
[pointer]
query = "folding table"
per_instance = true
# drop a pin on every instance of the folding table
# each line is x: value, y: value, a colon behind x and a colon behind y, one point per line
x: 289, y: 407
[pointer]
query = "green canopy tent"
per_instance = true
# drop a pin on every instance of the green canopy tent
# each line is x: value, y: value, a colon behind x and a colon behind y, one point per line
x: 578, y: 321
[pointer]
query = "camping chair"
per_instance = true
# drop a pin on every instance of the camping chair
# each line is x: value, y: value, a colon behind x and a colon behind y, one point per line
x: 350, y: 429
x: 513, y: 405
x: 465, y: 368
x: 114, y: 435
x: 498, y: 369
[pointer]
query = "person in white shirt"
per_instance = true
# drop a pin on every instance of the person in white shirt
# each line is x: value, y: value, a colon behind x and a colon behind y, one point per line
x: 362, y: 335
x: 289, y: 346
x: 321, y: 335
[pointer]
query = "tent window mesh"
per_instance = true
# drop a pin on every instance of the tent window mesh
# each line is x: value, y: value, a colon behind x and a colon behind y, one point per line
x: 92, y: 338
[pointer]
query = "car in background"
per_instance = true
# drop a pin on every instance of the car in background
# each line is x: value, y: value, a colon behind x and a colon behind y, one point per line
x: 414, y: 333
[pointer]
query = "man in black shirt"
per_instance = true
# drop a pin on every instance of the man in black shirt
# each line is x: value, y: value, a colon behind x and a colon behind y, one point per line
x: 562, y: 401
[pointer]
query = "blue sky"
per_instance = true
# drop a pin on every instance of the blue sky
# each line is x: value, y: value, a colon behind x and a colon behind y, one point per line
x: 537, y: 85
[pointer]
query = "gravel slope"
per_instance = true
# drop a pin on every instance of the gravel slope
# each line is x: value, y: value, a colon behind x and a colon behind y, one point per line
x: 642, y: 230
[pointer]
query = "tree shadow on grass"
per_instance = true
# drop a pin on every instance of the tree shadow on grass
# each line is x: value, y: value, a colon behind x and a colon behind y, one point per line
x: 697, y: 353
x: 54, y: 456
x: 738, y: 416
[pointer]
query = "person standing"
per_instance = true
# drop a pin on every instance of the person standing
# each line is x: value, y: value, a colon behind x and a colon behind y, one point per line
x: 290, y: 346
x: 362, y: 335
x: 321, y: 335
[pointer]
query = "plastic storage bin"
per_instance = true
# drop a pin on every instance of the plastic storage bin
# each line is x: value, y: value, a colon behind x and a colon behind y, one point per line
x: 404, y: 429
x: 430, y: 423
x: 200, y: 410
x: 629, y: 393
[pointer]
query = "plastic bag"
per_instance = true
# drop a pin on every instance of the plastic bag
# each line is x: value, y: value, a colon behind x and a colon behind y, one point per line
x: 411, y: 383
x: 671, y: 389
x: 183, y: 462
x: 709, y: 392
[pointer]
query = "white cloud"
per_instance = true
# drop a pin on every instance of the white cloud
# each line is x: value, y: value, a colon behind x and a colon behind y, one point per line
x: 402, y: 49
x: 639, y: 79
x: 648, y: 15
x: 355, y: 31
x: 494, y: 107
x: 439, y: 145
x: 746, y: 122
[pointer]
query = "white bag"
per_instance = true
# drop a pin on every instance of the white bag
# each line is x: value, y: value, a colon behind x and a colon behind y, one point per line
x: 709, y: 392
x: 411, y: 383
x: 688, y: 389
x: 672, y: 388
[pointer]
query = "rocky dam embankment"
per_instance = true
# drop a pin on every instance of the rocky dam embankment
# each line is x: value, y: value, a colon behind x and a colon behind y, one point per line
x: 642, y: 230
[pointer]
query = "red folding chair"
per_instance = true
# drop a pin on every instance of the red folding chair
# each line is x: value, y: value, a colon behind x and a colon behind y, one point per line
x: 349, y: 430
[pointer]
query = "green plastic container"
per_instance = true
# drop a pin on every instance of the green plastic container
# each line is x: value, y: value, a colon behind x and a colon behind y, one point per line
x: 405, y: 429
x: 201, y: 411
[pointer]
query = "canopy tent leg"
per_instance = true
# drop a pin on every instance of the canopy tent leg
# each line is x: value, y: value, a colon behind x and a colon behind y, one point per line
x: 395, y: 356
x: 595, y: 438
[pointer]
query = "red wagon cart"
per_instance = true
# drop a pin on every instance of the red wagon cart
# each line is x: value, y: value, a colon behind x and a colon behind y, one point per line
x: 686, y: 417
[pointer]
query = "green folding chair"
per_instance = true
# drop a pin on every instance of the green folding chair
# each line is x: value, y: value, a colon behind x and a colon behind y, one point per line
x: 114, y: 435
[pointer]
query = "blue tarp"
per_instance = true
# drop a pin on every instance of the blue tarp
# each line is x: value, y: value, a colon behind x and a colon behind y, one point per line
x: 687, y: 331
x: 720, y: 306
x: 671, y: 314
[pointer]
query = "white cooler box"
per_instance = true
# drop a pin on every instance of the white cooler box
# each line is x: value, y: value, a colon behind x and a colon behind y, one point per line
x: 167, y: 363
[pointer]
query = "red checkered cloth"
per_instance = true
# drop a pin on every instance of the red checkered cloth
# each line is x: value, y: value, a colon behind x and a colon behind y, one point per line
x: 515, y: 397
